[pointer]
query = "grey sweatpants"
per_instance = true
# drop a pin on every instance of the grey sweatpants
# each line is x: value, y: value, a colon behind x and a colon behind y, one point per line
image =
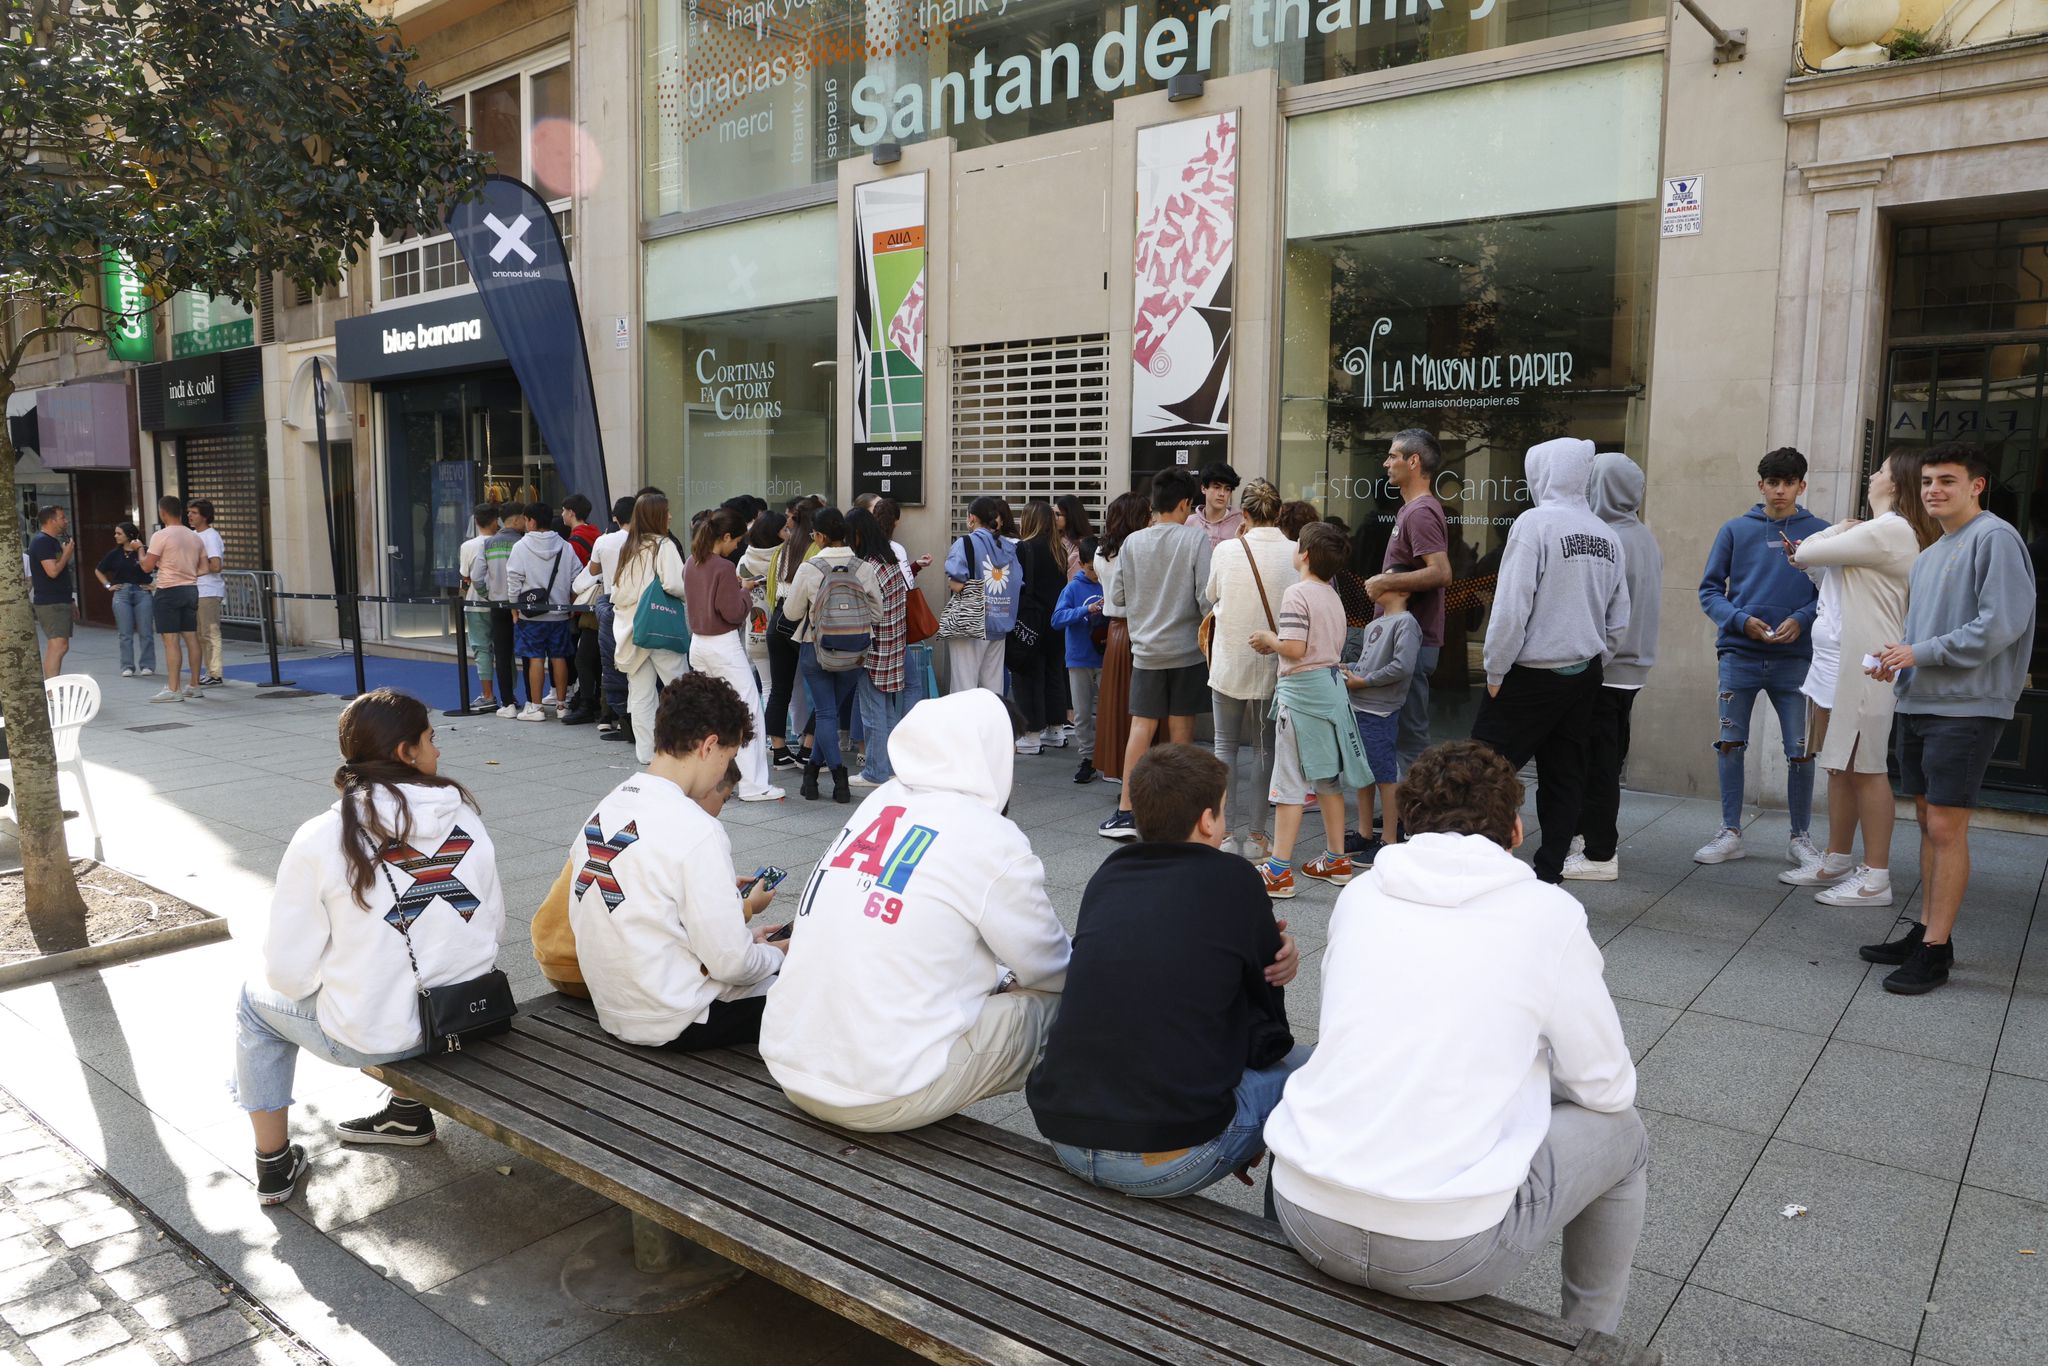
x: 1587, y: 1179
x: 1081, y: 689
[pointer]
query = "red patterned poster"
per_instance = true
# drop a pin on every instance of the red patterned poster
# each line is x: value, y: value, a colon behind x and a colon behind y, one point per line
x: 1186, y: 251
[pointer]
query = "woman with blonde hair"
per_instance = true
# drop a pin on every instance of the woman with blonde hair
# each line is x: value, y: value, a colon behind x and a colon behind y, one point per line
x: 1865, y: 570
x: 649, y: 556
x: 1247, y: 574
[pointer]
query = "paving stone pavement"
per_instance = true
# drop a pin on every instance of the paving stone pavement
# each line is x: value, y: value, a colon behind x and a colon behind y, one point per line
x: 87, y: 1275
x: 1773, y: 1072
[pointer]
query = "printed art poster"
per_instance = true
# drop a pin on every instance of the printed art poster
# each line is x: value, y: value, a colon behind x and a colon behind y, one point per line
x: 1180, y: 342
x: 888, y: 324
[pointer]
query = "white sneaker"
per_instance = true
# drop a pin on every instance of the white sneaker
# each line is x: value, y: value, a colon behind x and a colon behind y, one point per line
x: 1230, y: 846
x: 508, y: 711
x: 1579, y: 868
x: 194, y: 695
x: 1725, y: 847
x: 1578, y: 845
x: 1868, y: 887
x: 145, y: 673
x: 550, y: 700
x: 861, y: 780
x: 127, y: 673
x: 532, y: 713
x: 1802, y: 853
x: 1056, y: 736
x: 1257, y: 847
x: 1831, y: 869
x: 766, y: 794
x: 168, y: 695
x: 1030, y: 744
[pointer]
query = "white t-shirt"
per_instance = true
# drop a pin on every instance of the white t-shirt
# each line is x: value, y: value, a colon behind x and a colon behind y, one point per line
x: 469, y: 561
x: 213, y: 585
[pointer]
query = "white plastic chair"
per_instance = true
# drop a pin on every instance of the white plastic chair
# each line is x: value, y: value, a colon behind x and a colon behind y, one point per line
x: 74, y: 699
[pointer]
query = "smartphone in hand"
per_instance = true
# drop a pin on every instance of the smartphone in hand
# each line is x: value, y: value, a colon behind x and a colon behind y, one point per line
x: 764, y: 876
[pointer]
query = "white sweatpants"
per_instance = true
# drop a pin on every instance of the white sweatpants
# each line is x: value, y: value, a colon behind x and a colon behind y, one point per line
x: 726, y: 657
x: 653, y: 671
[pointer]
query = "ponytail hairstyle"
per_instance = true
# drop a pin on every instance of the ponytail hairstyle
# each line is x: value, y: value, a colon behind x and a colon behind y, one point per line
x: 989, y: 512
x: 716, y: 526
x: 374, y: 728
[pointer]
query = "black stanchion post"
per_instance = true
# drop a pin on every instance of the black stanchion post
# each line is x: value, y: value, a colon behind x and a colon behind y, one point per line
x: 461, y: 653
x: 270, y: 636
x: 356, y: 642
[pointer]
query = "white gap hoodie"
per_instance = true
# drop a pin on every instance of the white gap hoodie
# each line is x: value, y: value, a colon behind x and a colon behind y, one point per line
x: 660, y: 931
x: 901, y: 929
x: 319, y: 940
x: 1458, y: 991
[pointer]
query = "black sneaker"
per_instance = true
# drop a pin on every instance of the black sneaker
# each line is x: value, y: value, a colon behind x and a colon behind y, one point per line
x: 1086, y: 772
x: 408, y: 1125
x: 1896, y: 950
x: 1362, y: 858
x: 1925, y: 969
x: 1121, y: 825
x: 783, y: 758
x: 277, y: 1178
x: 579, y: 718
x: 1355, y: 843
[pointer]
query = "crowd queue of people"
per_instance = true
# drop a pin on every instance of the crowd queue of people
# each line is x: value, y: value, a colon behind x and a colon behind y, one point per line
x: 1453, y: 1116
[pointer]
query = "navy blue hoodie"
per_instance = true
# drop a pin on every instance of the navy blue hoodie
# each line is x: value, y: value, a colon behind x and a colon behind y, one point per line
x: 1748, y: 576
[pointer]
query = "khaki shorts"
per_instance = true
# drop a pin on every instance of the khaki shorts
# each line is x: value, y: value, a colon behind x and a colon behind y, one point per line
x: 55, y: 619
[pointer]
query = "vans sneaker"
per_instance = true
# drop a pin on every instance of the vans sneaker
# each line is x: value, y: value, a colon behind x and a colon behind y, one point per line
x: 1925, y: 968
x: 278, y: 1177
x: 1865, y: 887
x: 1579, y: 868
x: 406, y: 1123
x: 1725, y: 847
x: 1894, y: 951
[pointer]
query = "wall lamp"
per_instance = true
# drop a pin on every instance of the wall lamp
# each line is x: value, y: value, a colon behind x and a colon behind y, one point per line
x: 888, y: 154
x: 1184, y: 85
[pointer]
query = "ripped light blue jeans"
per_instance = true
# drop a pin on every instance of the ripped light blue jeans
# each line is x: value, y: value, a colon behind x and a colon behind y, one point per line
x: 1742, y: 678
x: 270, y: 1029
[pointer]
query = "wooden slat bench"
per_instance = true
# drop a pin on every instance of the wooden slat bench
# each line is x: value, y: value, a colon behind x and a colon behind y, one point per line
x: 963, y: 1242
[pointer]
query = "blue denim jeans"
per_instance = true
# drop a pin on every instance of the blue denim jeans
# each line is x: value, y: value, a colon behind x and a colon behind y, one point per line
x: 880, y: 711
x: 135, y: 618
x: 832, y: 700
x: 1742, y: 678
x: 1237, y: 1147
x: 270, y: 1029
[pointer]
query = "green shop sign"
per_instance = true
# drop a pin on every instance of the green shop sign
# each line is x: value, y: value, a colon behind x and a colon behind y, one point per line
x: 127, y: 320
x: 203, y: 323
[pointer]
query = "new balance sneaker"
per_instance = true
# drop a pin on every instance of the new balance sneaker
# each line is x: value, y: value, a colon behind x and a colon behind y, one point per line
x: 531, y: 712
x: 1894, y: 951
x: 1925, y: 968
x: 1279, y: 881
x: 407, y: 1123
x: 278, y: 1176
x: 1831, y: 868
x: 1864, y: 887
x: 1725, y: 847
x: 1336, y: 869
x: 1579, y: 868
x: 168, y: 695
x: 1121, y: 825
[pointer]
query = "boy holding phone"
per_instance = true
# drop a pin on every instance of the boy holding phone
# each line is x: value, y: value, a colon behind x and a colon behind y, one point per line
x: 1764, y: 607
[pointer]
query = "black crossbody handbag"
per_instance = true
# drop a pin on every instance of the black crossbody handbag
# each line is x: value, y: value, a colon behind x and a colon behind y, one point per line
x: 460, y: 1011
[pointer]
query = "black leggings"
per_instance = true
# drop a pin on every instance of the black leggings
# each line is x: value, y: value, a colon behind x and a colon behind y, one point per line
x: 507, y: 668
x: 782, y: 653
x: 1039, y: 685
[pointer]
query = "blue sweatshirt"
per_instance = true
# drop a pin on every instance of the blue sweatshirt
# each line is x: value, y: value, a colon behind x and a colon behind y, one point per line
x: 1748, y: 576
x: 1071, y: 615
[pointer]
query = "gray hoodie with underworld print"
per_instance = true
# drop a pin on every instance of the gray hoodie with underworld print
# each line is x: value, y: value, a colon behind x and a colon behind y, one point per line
x: 1562, y: 597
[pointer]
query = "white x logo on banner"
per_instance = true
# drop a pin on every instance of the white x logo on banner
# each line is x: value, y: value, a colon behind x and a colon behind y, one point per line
x: 510, y: 239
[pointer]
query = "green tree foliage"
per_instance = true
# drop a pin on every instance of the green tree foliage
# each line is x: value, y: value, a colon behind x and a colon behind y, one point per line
x: 214, y: 142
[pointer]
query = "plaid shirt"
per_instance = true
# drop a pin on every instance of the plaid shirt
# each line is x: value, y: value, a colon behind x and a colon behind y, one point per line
x: 885, y: 652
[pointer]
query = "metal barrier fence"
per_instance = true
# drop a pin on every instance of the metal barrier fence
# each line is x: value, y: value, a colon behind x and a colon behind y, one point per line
x: 353, y: 602
x: 245, y: 605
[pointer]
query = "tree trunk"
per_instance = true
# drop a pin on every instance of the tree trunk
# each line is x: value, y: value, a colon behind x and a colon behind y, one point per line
x: 56, y: 912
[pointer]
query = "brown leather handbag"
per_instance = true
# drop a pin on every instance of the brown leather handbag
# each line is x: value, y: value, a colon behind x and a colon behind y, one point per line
x: 1206, y: 635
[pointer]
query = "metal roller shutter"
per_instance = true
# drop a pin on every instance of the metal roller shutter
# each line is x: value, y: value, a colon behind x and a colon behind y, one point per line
x: 1031, y: 421
x: 230, y: 468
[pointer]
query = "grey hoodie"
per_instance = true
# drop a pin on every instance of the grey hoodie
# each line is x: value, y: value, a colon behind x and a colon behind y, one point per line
x: 539, y: 556
x: 1562, y: 597
x: 1970, y: 621
x: 1616, y: 497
